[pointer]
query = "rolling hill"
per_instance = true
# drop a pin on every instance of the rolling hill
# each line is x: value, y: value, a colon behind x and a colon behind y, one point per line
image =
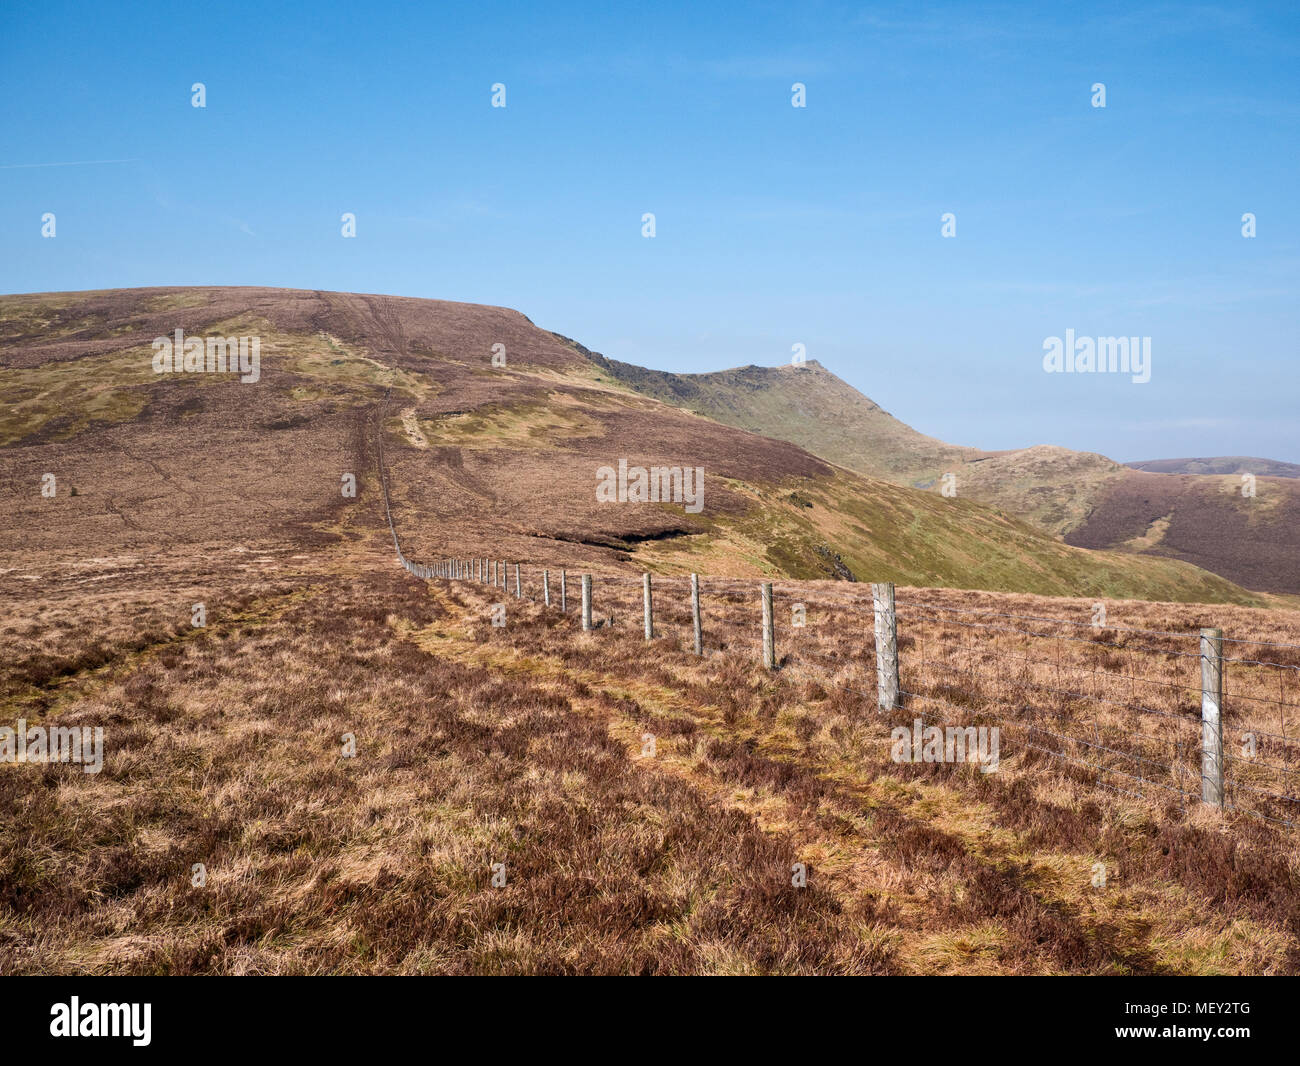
x: 1083, y: 498
x: 1223, y: 464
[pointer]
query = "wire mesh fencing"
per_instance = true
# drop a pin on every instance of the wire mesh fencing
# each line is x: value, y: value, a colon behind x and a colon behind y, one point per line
x: 1125, y: 709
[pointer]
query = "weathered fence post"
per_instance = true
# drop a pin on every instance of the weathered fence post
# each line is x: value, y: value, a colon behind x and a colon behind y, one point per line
x: 1212, y: 717
x: 648, y: 608
x: 546, y: 587
x: 695, y: 614
x: 564, y: 600
x: 882, y: 595
x: 769, y: 628
x: 586, y: 602
x: 519, y: 592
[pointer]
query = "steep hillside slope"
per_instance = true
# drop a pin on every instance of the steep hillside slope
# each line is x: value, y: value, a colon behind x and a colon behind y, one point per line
x: 1052, y: 488
x: 486, y: 459
x: 1203, y: 519
x: 806, y: 405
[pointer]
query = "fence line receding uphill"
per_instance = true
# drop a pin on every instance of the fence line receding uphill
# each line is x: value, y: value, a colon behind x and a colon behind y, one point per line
x: 1184, y: 717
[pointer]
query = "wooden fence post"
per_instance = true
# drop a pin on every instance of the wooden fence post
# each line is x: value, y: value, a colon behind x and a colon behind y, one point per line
x: 586, y: 602
x: 564, y: 600
x: 695, y: 614
x: 519, y: 592
x: 886, y: 624
x: 647, y: 608
x: 546, y: 587
x: 769, y: 628
x: 1212, y: 717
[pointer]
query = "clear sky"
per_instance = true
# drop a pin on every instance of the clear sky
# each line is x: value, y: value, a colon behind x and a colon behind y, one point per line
x: 775, y: 225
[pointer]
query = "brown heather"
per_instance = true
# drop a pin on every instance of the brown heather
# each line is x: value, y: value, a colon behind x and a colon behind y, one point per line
x: 523, y: 745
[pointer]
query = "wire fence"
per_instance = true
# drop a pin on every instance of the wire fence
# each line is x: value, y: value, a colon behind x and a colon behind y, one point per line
x: 1171, y: 716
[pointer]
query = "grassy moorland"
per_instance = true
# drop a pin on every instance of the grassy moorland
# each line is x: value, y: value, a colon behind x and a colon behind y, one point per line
x: 526, y: 745
x: 643, y: 809
x: 487, y: 458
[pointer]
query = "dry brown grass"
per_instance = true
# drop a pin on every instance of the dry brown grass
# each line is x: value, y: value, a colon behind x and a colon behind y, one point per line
x: 524, y: 745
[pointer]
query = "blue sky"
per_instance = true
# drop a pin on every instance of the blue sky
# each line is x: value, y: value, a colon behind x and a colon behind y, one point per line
x: 775, y: 225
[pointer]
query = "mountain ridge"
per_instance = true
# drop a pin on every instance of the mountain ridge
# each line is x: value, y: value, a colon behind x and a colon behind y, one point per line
x: 1082, y: 498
